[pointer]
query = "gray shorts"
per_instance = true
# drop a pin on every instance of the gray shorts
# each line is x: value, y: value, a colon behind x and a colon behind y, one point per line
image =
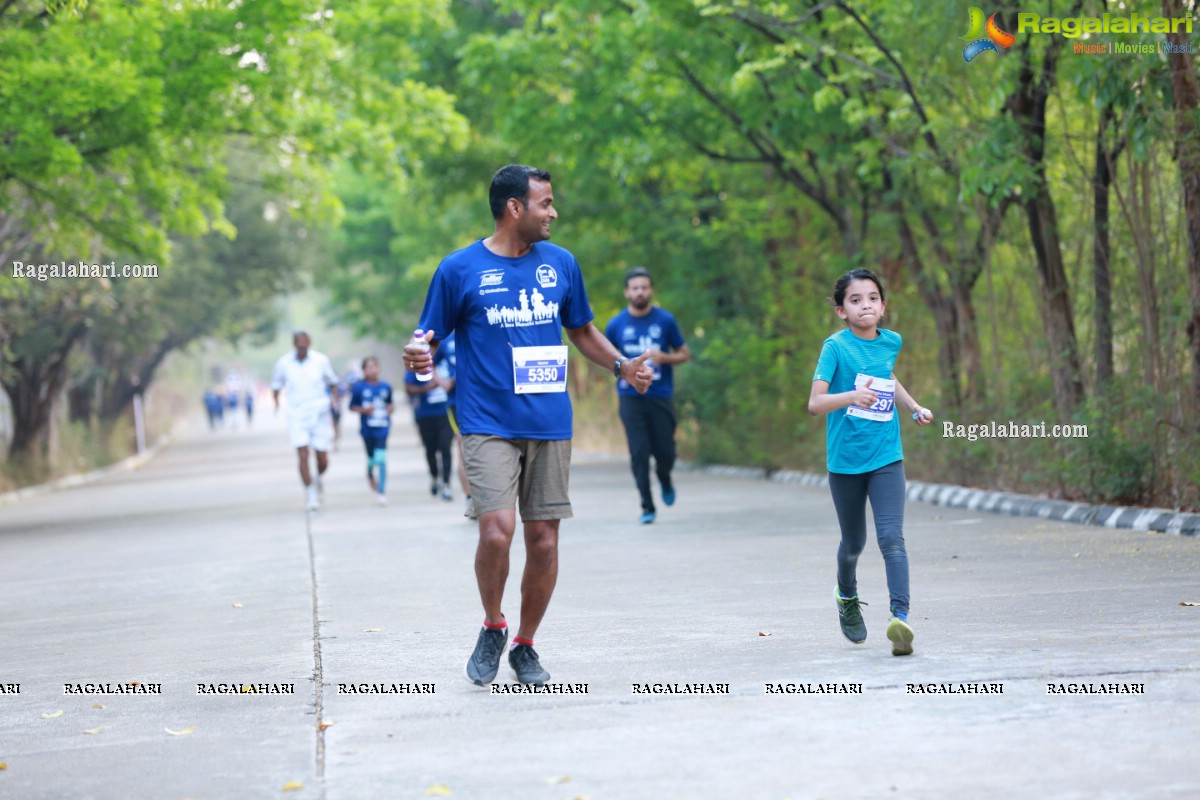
x: 534, y: 471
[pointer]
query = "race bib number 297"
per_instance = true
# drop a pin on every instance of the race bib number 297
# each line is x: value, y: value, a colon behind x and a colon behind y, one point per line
x: 884, y: 407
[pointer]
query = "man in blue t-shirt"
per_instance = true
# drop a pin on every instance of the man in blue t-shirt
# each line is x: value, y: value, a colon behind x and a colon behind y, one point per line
x: 372, y: 400
x: 507, y: 298
x: 649, y: 418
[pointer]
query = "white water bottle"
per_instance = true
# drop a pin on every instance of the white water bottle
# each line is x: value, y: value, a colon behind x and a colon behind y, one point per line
x: 419, y: 340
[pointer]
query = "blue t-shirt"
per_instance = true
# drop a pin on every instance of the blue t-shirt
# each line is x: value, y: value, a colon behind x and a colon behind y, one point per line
x: 427, y: 404
x: 634, y: 335
x: 377, y: 395
x: 853, y: 444
x: 492, y: 304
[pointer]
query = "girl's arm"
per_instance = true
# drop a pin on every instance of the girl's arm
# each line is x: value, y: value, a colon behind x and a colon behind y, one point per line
x: 820, y: 401
x: 924, y: 415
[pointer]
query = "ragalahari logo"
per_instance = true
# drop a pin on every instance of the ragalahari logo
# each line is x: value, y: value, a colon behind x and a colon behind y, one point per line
x: 981, y: 38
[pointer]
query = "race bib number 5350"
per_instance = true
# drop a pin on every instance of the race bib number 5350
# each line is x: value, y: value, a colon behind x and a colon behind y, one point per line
x: 884, y: 407
x: 537, y: 370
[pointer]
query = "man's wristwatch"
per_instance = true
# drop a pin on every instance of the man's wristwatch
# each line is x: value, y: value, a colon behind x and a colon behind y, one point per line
x: 617, y: 366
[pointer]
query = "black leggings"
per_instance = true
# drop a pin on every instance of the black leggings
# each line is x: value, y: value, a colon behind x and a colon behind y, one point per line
x: 650, y: 430
x: 437, y: 437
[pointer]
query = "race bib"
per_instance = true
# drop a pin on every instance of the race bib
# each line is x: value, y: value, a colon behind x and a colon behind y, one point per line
x: 884, y: 407
x: 538, y: 370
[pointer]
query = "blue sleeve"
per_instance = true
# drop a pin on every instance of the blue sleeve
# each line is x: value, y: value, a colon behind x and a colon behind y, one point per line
x: 578, y: 311
x: 827, y: 363
x: 674, y: 336
x: 610, y: 332
x: 356, y: 394
x: 441, y: 304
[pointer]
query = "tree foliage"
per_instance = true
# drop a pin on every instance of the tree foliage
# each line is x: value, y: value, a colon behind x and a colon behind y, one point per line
x: 117, y: 121
x: 1032, y: 211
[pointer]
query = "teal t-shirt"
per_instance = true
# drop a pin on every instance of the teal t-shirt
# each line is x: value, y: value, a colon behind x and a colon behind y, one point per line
x: 858, y: 441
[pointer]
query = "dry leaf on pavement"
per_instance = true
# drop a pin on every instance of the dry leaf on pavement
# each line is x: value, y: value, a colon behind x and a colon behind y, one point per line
x: 292, y: 786
x: 53, y: 714
x: 183, y: 732
x: 93, y: 730
x: 1188, y: 603
x: 764, y: 633
x: 323, y: 724
x: 438, y: 790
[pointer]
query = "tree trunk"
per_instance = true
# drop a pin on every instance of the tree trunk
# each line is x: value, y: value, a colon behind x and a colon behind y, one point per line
x: 1186, y: 90
x: 1057, y: 317
x: 133, y: 376
x: 945, y: 319
x: 32, y: 385
x: 1028, y: 107
x: 1143, y: 231
x: 1102, y: 251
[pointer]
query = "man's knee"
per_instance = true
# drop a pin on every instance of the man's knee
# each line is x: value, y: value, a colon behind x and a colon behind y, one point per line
x: 495, y: 529
x: 541, y: 538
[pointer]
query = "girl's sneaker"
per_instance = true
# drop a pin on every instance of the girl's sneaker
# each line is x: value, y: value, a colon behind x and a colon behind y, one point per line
x: 901, y: 636
x: 850, y: 617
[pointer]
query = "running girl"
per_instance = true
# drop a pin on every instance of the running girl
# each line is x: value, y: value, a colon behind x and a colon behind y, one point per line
x: 371, y: 398
x: 856, y: 387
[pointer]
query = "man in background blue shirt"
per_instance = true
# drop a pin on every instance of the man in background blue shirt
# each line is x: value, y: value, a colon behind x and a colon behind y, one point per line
x: 649, y: 418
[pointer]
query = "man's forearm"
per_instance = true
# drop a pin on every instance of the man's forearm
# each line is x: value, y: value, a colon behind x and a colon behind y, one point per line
x: 594, y: 346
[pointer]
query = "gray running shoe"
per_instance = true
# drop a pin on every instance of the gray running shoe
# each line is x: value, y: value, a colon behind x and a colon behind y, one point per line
x: 469, y: 513
x: 524, y: 662
x: 900, y: 634
x: 485, y: 661
x: 850, y: 617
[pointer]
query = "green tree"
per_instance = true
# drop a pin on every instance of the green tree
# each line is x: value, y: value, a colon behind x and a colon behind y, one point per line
x: 123, y: 144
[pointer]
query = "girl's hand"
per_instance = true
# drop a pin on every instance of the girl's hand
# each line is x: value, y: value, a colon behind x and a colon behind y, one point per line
x: 863, y: 397
x: 923, y: 416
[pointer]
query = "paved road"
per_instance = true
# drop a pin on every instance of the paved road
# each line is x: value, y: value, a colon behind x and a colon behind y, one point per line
x: 203, y: 569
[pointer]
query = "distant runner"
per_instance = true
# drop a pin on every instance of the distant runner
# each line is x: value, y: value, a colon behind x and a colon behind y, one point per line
x: 649, y: 418
x: 430, y: 403
x: 371, y: 399
x: 447, y: 355
x: 307, y: 375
